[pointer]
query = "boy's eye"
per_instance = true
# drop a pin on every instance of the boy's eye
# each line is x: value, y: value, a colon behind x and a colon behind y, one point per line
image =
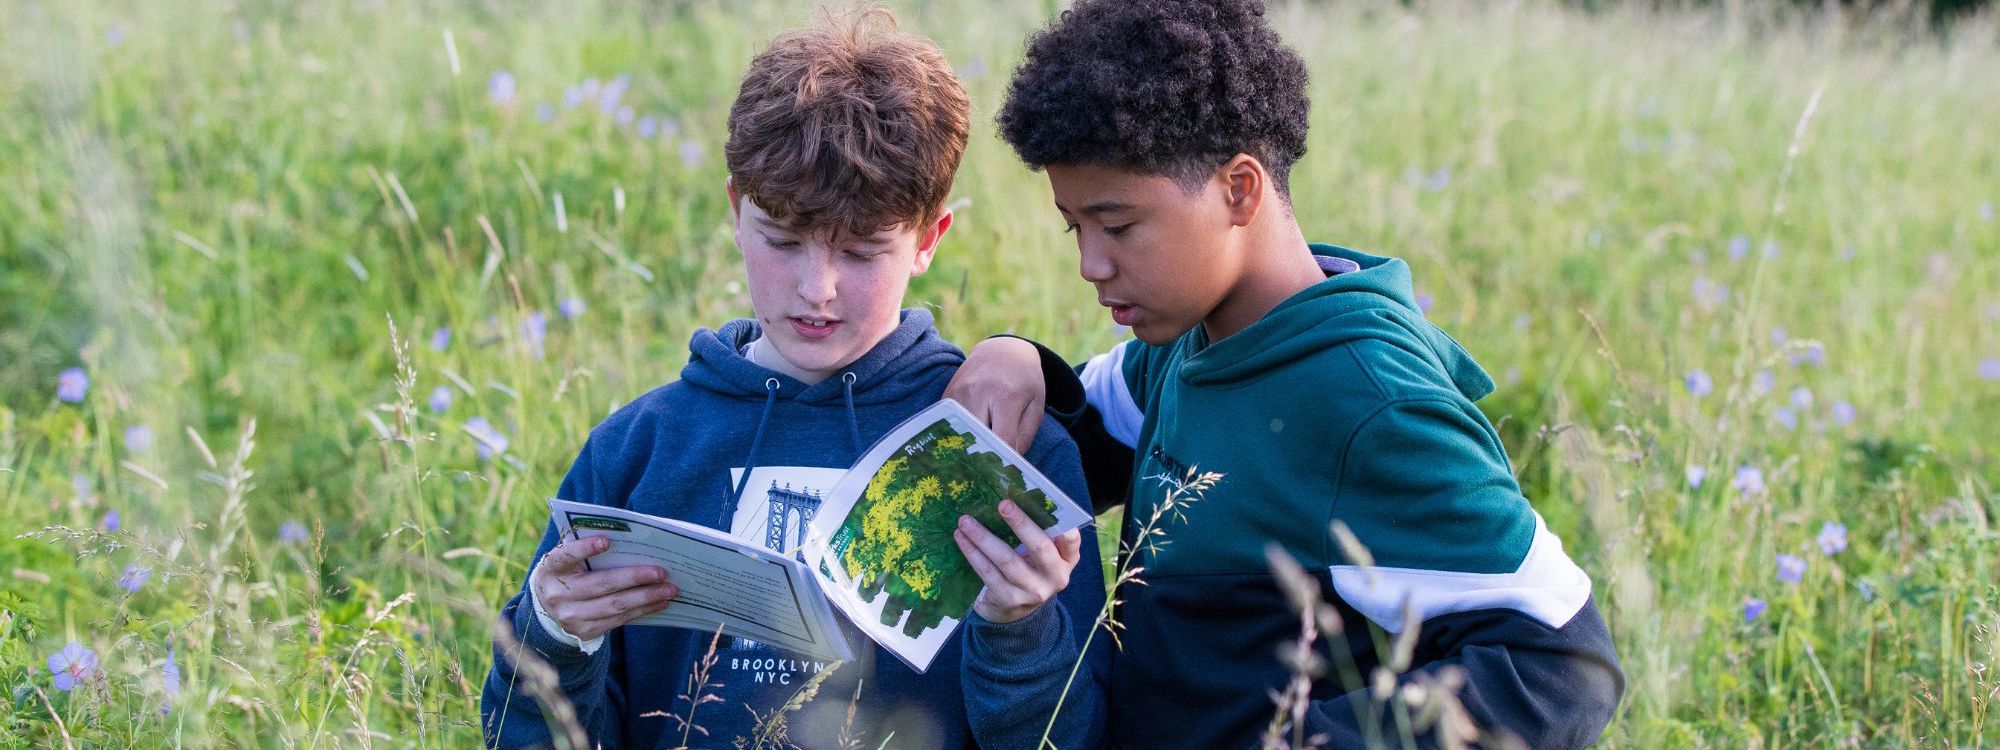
x: 864, y: 254
x: 1070, y: 228
x: 779, y: 243
x: 1118, y: 230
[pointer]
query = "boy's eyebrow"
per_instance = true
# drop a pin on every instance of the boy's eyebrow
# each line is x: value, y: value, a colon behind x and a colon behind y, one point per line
x: 1100, y: 207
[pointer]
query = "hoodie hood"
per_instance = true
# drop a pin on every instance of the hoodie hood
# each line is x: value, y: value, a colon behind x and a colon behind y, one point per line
x: 1377, y: 301
x: 887, y: 373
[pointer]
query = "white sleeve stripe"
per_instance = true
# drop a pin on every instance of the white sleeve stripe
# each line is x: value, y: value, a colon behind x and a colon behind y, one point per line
x: 1104, y: 387
x: 1547, y: 586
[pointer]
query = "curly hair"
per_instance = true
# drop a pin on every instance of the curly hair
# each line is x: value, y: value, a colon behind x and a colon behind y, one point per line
x: 1170, y: 87
x: 848, y: 125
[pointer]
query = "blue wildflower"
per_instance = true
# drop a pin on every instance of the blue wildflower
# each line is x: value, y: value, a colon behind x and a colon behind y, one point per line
x: 1843, y: 413
x: 1438, y: 180
x: 1749, y: 481
x: 138, y: 438
x: 545, y: 112
x: 571, y: 308
x: 691, y: 155
x: 292, y: 532
x: 440, y: 339
x: 1791, y: 569
x: 1753, y: 608
x: 170, y: 679
x: 1832, y: 538
x: 1739, y: 246
x: 1696, y: 474
x: 1989, y: 368
x: 1802, y: 398
x: 1814, y: 354
x: 488, y: 441
x: 1779, y: 336
x: 535, y: 331
x: 440, y: 399
x: 1986, y: 211
x: 135, y: 577
x: 110, y: 520
x: 71, y: 385
x: 500, y: 87
x: 1786, y: 418
x: 1699, y: 383
x: 647, y: 127
x: 1763, y: 382
x: 72, y: 665
x: 1425, y: 301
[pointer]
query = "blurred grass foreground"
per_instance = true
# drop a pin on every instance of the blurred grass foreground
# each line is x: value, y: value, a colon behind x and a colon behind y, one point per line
x: 1736, y: 269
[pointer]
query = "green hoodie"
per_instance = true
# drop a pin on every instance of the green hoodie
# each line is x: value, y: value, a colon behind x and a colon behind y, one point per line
x: 1342, y: 404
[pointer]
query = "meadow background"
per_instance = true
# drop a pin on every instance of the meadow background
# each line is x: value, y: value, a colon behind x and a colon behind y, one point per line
x: 1735, y: 268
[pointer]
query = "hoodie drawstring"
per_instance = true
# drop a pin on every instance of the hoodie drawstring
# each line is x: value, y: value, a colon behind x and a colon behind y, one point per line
x: 853, y: 422
x: 750, y: 461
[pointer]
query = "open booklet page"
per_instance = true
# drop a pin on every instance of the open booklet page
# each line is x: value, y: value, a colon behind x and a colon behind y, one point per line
x: 882, y: 544
x: 749, y: 591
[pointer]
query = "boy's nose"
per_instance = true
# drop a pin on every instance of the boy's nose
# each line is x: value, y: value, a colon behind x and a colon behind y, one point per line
x: 1093, y: 264
x: 817, y: 283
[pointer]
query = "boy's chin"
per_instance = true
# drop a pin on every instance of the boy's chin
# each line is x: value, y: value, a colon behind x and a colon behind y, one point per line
x: 1156, y: 334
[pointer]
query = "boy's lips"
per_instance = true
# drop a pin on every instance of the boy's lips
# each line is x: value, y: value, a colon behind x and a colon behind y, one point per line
x: 813, y: 329
x: 1123, y: 314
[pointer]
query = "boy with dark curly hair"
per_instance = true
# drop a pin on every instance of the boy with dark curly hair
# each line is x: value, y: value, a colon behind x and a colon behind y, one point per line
x: 1307, y: 375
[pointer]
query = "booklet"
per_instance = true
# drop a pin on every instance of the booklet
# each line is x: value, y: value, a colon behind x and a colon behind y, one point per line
x: 879, y: 548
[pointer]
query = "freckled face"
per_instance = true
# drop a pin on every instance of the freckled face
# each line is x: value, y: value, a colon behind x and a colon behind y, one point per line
x: 1156, y: 253
x: 825, y: 298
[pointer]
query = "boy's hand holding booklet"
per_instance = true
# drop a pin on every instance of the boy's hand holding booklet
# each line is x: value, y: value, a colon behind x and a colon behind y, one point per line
x: 880, y: 548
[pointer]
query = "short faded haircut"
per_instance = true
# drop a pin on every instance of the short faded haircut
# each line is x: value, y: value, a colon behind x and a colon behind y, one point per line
x: 849, y: 125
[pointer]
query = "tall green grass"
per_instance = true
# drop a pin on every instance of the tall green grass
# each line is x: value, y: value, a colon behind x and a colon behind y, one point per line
x: 218, y: 211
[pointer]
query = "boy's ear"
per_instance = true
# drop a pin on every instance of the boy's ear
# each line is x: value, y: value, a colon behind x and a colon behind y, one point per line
x: 927, y: 242
x: 1243, y: 180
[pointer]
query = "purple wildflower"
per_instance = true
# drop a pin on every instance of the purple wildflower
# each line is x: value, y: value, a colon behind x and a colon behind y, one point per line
x: 691, y: 155
x: 1779, y: 336
x: 489, y: 442
x: 1739, y: 246
x: 1699, y: 383
x: 292, y: 532
x: 500, y: 87
x: 1696, y: 474
x: 1986, y: 211
x: 1438, y: 180
x: 1749, y: 481
x: 1763, y: 382
x: 72, y: 665
x: 1802, y: 398
x: 115, y: 36
x: 1989, y: 368
x: 440, y: 399
x: 1791, y: 569
x: 110, y: 520
x: 1771, y: 250
x: 1843, y: 413
x: 545, y: 112
x: 135, y: 577
x: 1753, y: 608
x: 440, y: 339
x: 572, y: 97
x: 71, y: 385
x: 1832, y: 538
x: 1786, y: 418
x: 571, y: 308
x: 624, y: 116
x: 535, y: 331
x: 607, y: 98
x: 1425, y: 301
x: 138, y: 438
x: 648, y: 127
x: 1814, y: 354
x: 170, y: 679
x: 1708, y: 294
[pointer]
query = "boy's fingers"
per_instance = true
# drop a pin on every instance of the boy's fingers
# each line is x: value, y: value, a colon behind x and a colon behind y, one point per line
x: 608, y: 612
x: 605, y: 582
x: 568, y: 557
x: 976, y: 557
x: 1003, y: 557
x: 1070, y: 546
x: 1034, y: 540
x: 1025, y: 425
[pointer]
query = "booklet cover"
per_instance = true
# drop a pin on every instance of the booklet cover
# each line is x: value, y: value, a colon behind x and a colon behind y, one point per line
x: 879, y: 548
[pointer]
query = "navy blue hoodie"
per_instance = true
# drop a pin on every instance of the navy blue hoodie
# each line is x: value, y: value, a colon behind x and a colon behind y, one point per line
x: 731, y: 428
